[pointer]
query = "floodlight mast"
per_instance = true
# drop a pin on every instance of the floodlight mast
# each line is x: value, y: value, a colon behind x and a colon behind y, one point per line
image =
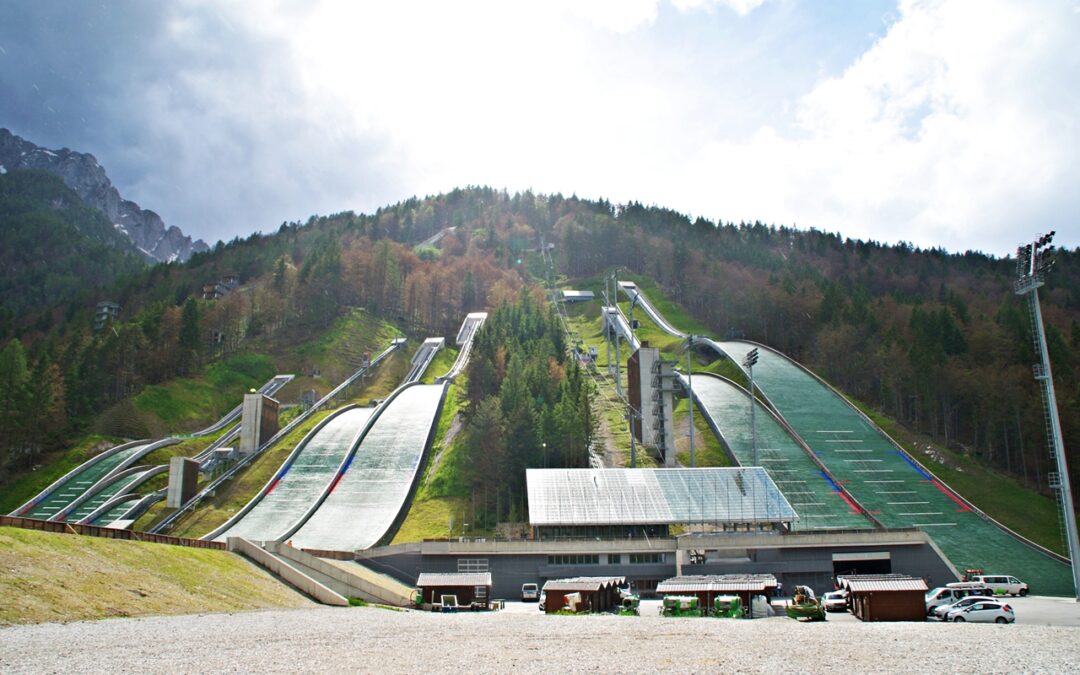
x: 749, y: 361
x: 690, y: 395
x: 1031, y: 267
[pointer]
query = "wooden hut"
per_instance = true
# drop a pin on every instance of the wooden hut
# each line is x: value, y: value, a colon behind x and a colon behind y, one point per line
x: 598, y: 594
x: 470, y: 589
x: 886, y: 597
x: 706, y: 588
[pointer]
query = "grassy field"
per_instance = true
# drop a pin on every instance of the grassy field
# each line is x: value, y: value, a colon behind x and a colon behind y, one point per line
x: 337, y: 351
x: 188, y: 404
x: 46, y: 577
x: 440, y: 365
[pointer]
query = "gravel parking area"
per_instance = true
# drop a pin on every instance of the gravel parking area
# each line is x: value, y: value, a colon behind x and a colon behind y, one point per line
x: 372, y: 639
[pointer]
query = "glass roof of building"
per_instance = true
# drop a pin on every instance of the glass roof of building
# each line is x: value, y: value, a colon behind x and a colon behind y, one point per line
x: 567, y: 497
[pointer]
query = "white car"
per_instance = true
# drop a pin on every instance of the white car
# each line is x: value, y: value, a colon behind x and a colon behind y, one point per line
x: 987, y: 611
x: 943, y: 611
x: 835, y: 601
x: 1003, y: 584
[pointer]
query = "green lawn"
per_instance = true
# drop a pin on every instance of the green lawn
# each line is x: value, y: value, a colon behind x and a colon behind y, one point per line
x: 188, y: 404
x: 46, y: 577
x: 440, y: 365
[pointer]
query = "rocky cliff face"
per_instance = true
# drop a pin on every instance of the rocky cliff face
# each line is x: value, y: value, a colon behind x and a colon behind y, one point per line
x: 82, y: 173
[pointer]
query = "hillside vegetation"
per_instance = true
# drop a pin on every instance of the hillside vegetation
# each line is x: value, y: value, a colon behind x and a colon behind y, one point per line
x: 48, y: 577
x: 936, y: 341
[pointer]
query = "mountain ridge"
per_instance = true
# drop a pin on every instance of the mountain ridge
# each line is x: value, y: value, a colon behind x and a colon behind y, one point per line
x: 83, y: 174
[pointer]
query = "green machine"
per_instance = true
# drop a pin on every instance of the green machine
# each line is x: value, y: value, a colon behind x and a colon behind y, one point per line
x: 728, y: 607
x: 680, y: 605
x: 630, y: 606
x: 805, y: 605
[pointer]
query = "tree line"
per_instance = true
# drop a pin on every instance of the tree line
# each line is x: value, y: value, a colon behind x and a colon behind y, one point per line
x: 529, y: 406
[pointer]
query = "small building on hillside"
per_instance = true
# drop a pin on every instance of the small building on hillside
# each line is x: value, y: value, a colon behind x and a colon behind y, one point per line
x: 578, y: 296
x: 222, y: 287
x: 469, y: 588
x: 105, y: 312
x: 706, y: 588
x: 598, y: 594
x: 886, y: 597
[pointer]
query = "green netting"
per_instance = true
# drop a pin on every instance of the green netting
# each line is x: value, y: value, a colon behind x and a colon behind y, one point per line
x: 105, y: 494
x: 74, y: 487
x: 887, y: 483
x: 801, y: 481
x: 115, y: 512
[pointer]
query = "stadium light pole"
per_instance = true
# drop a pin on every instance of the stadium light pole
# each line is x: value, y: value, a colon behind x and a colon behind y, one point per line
x: 749, y: 361
x: 1031, y: 269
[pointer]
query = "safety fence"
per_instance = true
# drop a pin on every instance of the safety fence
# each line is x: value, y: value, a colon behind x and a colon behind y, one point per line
x: 106, y: 532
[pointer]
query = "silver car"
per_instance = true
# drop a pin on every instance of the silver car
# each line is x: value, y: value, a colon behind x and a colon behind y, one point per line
x: 943, y: 611
x: 987, y: 611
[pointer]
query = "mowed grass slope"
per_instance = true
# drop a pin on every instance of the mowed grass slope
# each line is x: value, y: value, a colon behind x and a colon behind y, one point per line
x: 46, y: 577
x: 187, y: 404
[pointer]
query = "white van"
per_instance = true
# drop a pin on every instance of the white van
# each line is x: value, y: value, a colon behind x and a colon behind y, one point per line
x: 950, y: 593
x: 530, y: 593
x: 1002, y: 584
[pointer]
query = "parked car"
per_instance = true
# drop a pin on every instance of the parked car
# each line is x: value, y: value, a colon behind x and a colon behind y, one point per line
x: 530, y: 592
x: 987, y: 611
x: 543, y: 600
x: 950, y: 593
x: 1002, y: 584
x: 835, y: 601
x: 943, y: 611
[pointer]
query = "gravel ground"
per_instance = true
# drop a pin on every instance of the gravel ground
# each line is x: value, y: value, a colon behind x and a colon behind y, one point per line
x: 378, y: 640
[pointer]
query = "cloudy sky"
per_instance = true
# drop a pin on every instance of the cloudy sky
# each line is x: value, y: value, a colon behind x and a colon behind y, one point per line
x: 948, y: 124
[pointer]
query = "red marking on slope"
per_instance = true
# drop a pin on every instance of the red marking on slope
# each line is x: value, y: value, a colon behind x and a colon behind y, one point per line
x: 273, y: 485
x: 956, y: 500
x: 847, y: 500
x: 337, y: 479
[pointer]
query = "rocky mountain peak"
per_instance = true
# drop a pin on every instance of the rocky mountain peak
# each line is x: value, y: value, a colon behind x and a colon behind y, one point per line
x: 82, y: 173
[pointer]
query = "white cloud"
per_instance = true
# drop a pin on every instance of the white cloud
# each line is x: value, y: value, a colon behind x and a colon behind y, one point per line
x: 956, y: 128
x: 740, y: 7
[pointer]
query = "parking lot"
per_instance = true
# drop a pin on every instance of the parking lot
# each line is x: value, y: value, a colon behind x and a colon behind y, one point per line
x: 1032, y: 610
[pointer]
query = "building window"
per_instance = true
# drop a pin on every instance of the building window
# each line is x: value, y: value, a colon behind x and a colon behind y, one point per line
x: 580, y: 559
x: 646, y: 558
x: 465, y: 565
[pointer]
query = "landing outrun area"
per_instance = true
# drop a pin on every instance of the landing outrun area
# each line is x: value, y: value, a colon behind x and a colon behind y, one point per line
x: 366, y: 639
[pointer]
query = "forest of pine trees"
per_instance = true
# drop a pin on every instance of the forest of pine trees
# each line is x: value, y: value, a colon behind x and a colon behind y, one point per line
x: 529, y: 406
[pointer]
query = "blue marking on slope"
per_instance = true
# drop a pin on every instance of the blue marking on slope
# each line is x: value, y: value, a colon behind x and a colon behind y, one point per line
x: 830, y: 481
x: 913, y: 465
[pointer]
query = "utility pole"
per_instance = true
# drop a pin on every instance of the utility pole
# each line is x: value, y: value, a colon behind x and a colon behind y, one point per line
x: 607, y: 327
x: 749, y: 361
x: 690, y: 392
x: 1031, y: 268
x: 615, y: 315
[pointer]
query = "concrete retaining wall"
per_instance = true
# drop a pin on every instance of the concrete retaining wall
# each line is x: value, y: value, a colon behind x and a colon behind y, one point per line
x: 290, y: 574
x: 372, y: 589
